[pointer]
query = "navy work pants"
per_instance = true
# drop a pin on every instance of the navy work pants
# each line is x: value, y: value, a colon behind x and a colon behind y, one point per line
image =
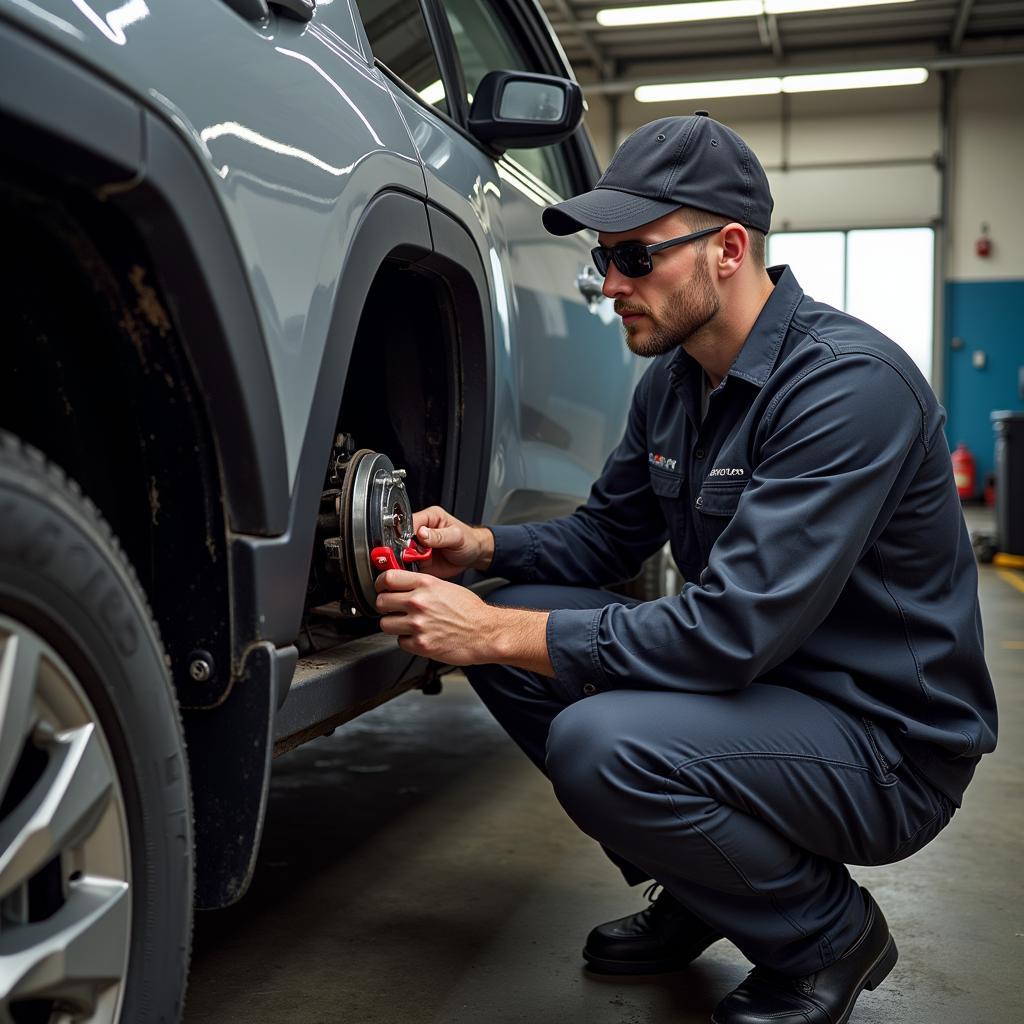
x: 746, y: 806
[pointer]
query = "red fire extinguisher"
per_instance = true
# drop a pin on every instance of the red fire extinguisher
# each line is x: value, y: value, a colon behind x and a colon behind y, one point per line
x: 964, y: 471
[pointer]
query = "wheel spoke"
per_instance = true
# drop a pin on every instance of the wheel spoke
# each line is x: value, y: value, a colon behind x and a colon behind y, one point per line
x: 72, y: 955
x: 60, y: 810
x: 19, y: 668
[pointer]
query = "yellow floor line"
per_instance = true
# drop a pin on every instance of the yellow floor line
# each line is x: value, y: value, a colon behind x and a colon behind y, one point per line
x: 1005, y: 561
x: 1012, y: 645
x: 1013, y: 578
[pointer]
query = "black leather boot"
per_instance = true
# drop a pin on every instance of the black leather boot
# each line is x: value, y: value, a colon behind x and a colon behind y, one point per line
x: 825, y: 997
x: 662, y: 937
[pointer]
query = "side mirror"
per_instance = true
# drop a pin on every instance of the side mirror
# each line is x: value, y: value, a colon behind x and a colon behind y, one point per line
x: 522, y: 110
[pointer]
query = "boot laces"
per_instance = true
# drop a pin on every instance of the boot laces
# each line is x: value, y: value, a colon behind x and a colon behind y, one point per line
x: 651, y: 892
x: 661, y: 900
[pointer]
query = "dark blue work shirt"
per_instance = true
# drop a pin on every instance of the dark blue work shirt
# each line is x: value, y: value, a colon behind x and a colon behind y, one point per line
x: 814, y: 516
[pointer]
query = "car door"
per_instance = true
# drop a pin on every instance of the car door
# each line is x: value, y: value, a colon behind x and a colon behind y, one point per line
x: 563, y: 374
x: 574, y: 374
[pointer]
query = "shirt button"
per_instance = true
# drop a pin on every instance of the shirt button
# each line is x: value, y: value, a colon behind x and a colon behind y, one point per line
x: 699, y: 453
x: 589, y: 688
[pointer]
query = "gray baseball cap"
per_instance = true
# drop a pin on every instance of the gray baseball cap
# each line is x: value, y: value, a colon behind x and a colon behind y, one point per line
x: 674, y: 161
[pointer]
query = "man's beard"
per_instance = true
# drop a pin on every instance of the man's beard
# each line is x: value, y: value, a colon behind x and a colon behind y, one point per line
x: 686, y: 311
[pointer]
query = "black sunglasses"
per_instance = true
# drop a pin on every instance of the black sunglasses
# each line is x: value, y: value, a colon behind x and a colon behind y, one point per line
x: 634, y: 258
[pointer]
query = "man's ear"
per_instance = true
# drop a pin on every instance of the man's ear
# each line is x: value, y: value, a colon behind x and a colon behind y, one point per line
x: 733, y: 246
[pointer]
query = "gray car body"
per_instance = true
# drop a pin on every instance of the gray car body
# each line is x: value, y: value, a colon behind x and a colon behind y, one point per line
x: 293, y: 165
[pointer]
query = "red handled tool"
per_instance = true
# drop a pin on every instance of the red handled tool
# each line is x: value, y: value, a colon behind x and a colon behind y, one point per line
x: 384, y: 558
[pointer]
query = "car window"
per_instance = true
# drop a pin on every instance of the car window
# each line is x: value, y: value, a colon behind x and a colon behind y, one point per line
x: 484, y: 43
x: 548, y: 164
x: 399, y: 38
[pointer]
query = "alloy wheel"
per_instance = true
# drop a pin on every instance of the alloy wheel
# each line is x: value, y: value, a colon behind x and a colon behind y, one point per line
x: 65, y: 862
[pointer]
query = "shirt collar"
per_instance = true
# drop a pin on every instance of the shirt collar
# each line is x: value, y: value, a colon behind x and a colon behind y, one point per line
x: 756, y: 359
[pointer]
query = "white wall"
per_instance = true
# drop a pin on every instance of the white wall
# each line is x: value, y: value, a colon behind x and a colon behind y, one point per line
x: 988, y: 174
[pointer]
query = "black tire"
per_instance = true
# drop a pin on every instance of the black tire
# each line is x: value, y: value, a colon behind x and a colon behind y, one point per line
x: 65, y: 584
x: 659, y: 577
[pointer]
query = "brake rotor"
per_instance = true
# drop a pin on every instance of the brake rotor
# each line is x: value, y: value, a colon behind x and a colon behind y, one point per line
x: 375, y: 513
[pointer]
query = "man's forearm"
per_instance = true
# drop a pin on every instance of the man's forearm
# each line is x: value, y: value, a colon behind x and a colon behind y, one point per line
x: 520, y: 639
x: 518, y: 636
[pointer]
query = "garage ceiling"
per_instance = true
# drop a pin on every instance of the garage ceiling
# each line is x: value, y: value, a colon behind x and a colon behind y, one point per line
x: 923, y: 28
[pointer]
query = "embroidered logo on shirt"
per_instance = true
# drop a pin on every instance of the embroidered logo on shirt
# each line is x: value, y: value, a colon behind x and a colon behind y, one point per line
x: 726, y: 472
x: 660, y: 461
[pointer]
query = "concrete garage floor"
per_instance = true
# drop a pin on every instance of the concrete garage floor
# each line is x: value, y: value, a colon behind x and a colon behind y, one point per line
x: 415, y: 868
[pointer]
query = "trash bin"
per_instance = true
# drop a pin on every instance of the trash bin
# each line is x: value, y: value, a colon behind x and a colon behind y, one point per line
x: 1009, y: 428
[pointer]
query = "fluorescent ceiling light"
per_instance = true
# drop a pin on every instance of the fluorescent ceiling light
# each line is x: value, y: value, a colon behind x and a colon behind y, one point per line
x: 799, y: 6
x: 675, y: 91
x: 704, y: 11
x: 708, y: 90
x: 854, y: 80
x: 710, y: 10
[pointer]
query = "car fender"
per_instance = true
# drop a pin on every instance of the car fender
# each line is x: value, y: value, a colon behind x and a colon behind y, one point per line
x: 394, y: 225
x: 61, y: 115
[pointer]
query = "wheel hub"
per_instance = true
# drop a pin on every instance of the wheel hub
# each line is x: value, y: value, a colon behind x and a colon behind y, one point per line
x: 376, y: 518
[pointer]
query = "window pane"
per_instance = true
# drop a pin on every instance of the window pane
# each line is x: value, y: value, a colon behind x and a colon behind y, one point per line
x: 398, y: 35
x: 482, y: 41
x: 816, y: 258
x: 890, y: 286
x: 547, y: 164
x: 484, y: 44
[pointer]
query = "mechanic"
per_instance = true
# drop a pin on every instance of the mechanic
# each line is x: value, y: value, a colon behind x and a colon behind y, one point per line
x: 817, y: 695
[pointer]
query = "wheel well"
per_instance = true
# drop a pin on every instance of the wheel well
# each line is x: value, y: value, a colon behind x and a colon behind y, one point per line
x: 402, y: 387
x: 417, y: 388
x: 94, y: 376
x: 402, y: 393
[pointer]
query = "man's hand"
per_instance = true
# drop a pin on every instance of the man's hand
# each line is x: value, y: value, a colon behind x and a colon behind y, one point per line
x: 457, y: 547
x: 443, y: 621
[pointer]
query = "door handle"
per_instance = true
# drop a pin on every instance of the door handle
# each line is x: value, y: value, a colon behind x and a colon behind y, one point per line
x: 590, y: 284
x: 251, y: 10
x: 258, y: 10
x: 300, y: 10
